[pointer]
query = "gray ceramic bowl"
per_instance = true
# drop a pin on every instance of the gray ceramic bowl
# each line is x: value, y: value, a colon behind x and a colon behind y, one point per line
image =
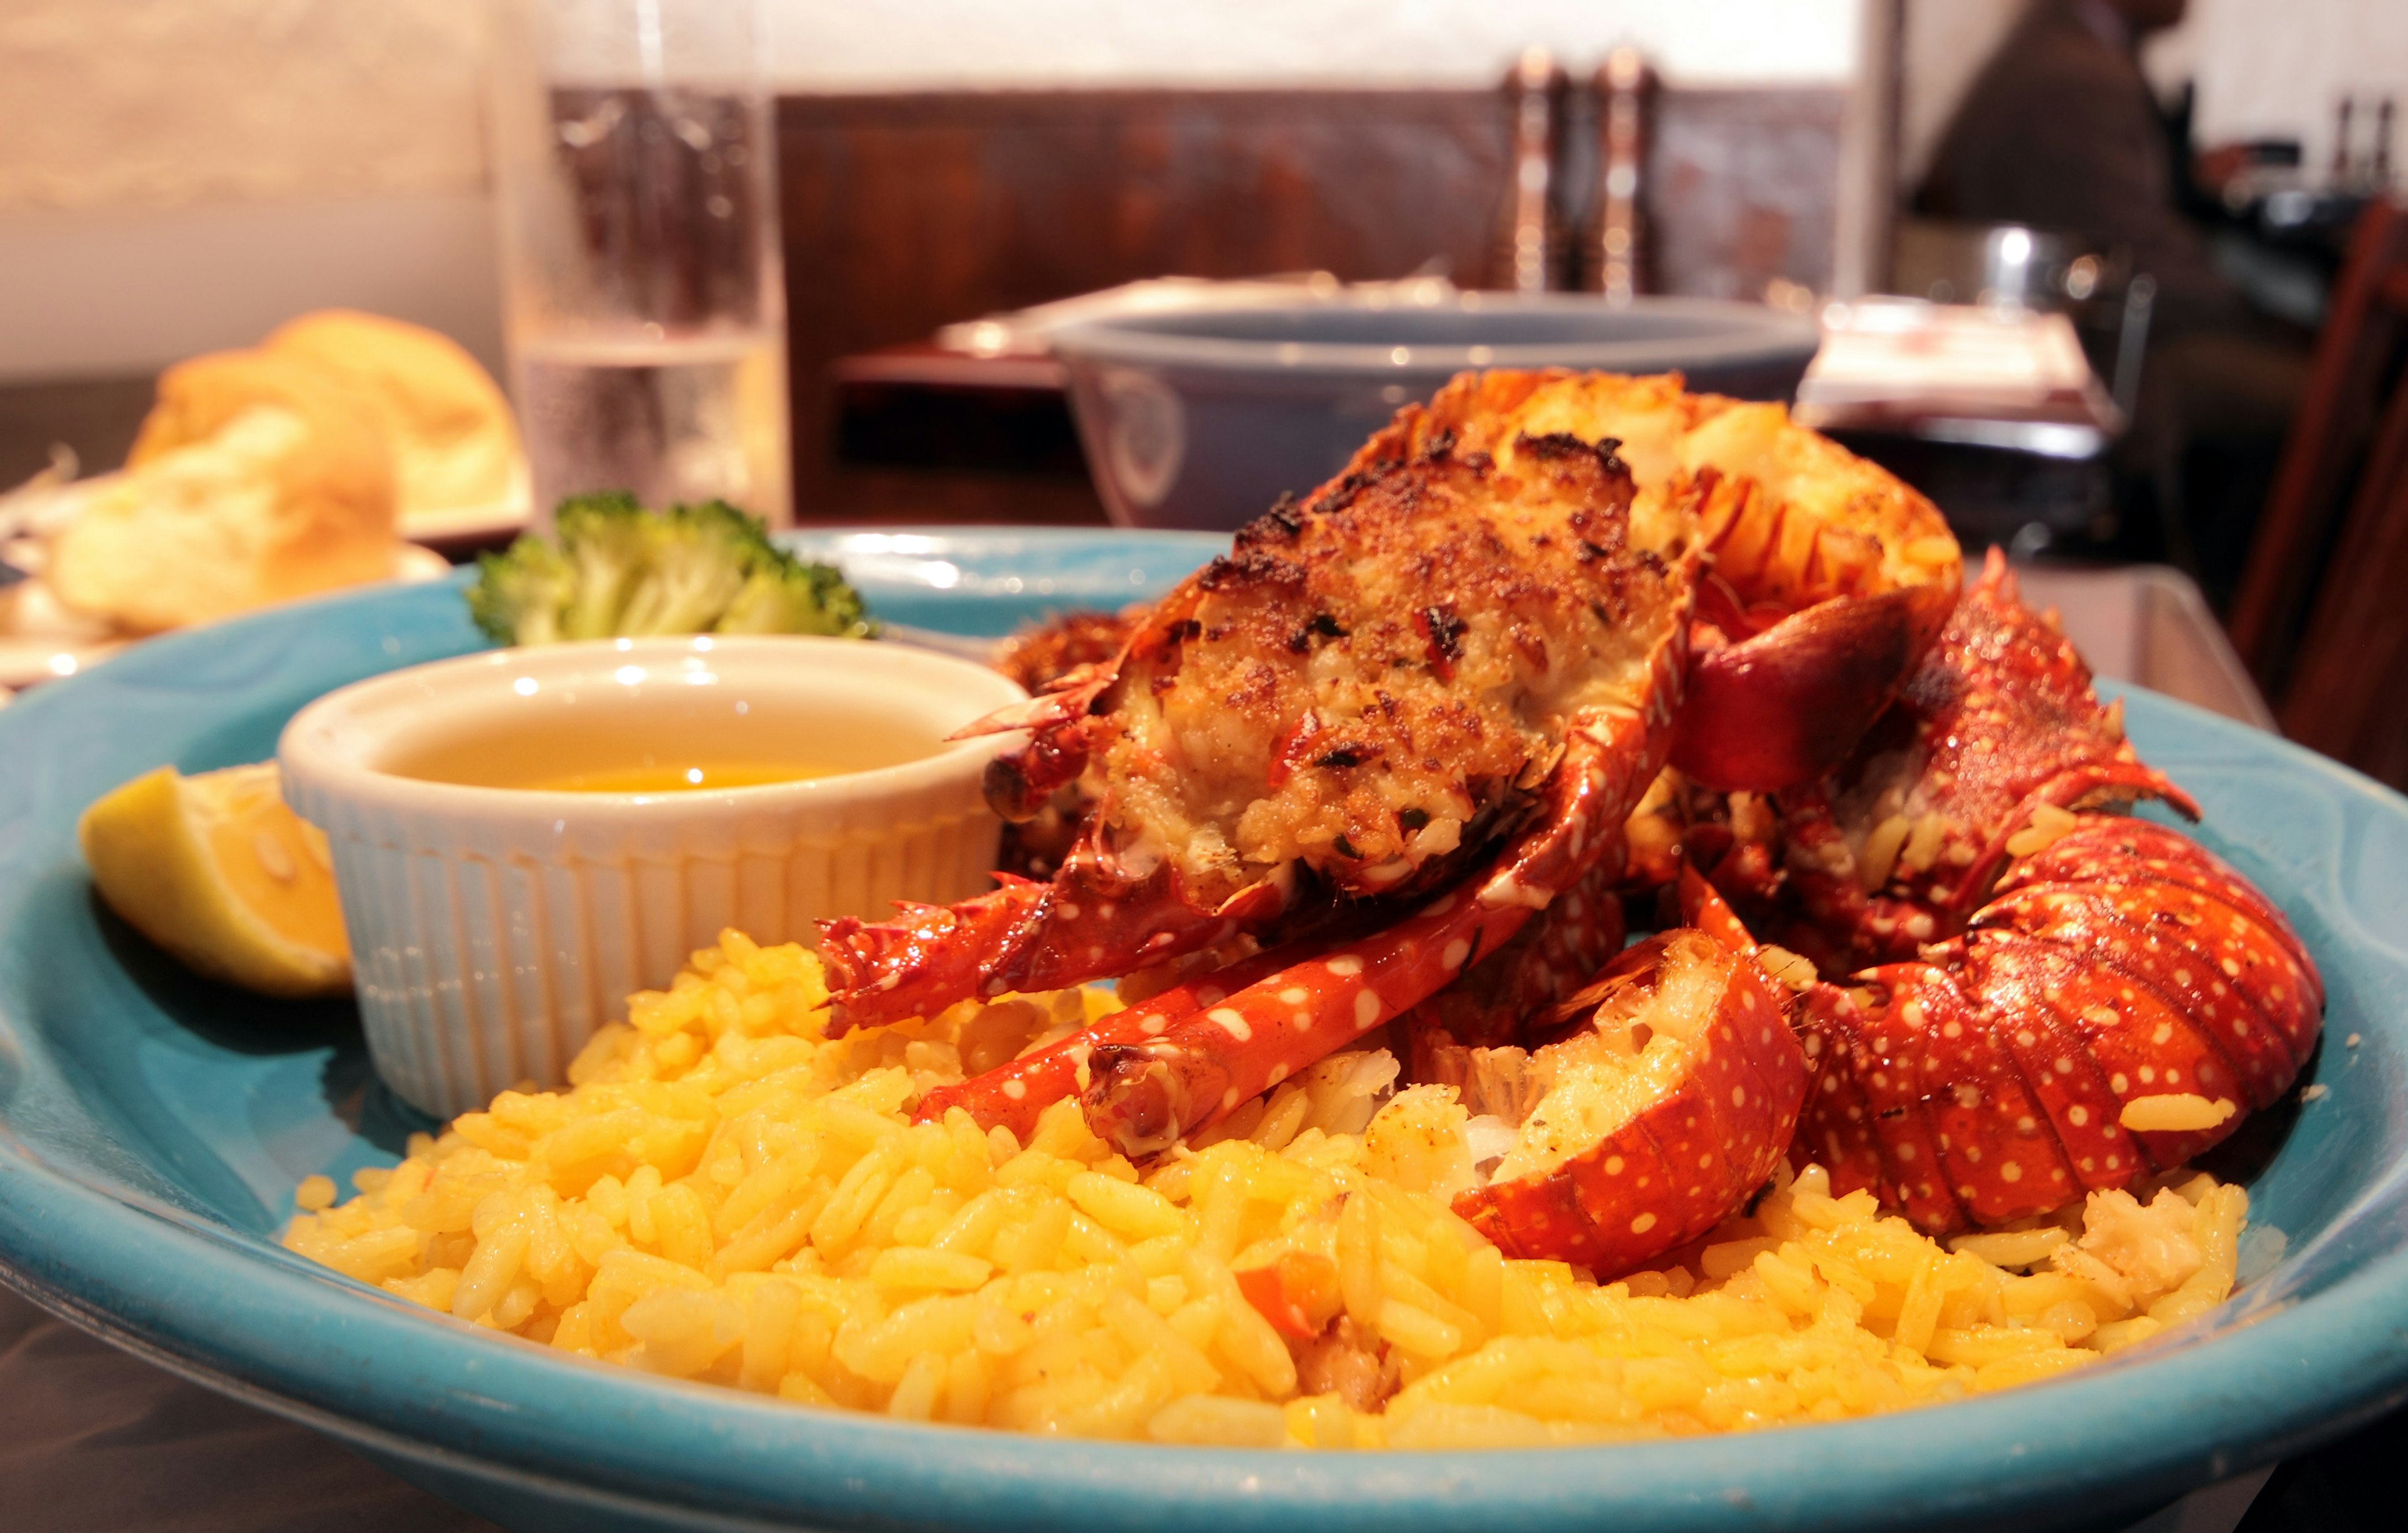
x: 1201, y: 419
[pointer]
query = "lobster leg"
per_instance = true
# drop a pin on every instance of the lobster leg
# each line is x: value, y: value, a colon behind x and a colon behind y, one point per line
x: 1088, y: 924
x: 1142, y: 1098
x: 1016, y: 1095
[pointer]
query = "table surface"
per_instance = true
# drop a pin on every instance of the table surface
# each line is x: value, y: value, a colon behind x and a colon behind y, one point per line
x: 91, y: 1438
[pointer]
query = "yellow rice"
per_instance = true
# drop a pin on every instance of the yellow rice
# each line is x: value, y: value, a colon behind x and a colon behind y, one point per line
x: 722, y: 1196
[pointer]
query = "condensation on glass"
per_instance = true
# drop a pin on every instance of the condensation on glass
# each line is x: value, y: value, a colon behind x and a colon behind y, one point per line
x: 644, y: 301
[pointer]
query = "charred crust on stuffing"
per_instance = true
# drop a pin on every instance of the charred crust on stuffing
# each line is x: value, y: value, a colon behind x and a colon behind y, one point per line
x: 1350, y: 485
x: 1556, y: 446
x: 1283, y: 524
x: 1321, y: 626
x: 1347, y: 753
x: 1441, y: 443
x: 1249, y: 565
x: 1444, y: 630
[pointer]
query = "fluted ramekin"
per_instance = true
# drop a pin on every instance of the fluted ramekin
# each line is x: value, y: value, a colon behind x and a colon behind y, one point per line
x: 494, y: 930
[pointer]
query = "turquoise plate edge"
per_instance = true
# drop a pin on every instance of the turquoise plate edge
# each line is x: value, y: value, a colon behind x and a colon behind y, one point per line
x: 128, y: 1228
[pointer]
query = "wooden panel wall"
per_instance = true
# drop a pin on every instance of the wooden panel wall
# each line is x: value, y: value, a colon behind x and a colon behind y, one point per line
x: 905, y: 212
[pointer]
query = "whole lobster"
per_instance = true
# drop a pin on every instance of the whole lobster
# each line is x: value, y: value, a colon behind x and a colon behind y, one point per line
x: 2021, y: 993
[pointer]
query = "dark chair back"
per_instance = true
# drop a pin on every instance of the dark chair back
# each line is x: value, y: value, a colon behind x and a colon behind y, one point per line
x: 2329, y: 471
x: 2348, y: 690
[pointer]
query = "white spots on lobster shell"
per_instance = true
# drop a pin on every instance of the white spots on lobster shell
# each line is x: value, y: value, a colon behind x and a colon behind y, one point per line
x: 1641, y: 1224
x: 2147, y: 1073
x: 1906, y: 1151
x: 1279, y: 1073
x: 1233, y: 1021
x: 1456, y: 951
x: 1069, y: 908
x: 1346, y: 966
x: 1210, y: 995
x: 1439, y: 906
x: 1613, y: 1164
x: 1152, y: 1026
x: 1015, y: 1088
x: 1367, y: 1010
x: 1301, y: 1021
x: 1295, y: 995
x: 2011, y: 1171
x: 1739, y: 1097
x: 1229, y: 1098
x: 2027, y: 1123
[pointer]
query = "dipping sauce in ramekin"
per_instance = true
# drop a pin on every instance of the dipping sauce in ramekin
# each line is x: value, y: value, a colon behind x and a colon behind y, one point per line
x: 520, y: 839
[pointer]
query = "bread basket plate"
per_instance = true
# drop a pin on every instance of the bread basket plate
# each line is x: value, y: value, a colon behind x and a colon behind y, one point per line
x: 488, y: 522
x: 152, y: 1128
x: 42, y: 640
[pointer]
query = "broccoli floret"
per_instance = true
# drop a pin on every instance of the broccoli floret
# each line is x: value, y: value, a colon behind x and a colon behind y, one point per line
x: 614, y: 569
x: 608, y: 541
x: 789, y: 597
x: 699, y: 559
x: 519, y: 596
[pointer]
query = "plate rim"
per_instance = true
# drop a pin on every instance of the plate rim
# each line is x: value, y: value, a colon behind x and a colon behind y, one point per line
x: 303, y: 1340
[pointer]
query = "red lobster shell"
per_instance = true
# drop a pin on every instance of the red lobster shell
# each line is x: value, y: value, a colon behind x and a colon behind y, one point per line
x: 1677, y: 1091
x: 2000, y: 1075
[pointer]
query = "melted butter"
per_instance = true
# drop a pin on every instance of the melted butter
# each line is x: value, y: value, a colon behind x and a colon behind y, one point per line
x: 681, y: 777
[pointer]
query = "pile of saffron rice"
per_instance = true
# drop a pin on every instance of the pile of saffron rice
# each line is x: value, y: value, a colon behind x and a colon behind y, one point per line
x: 723, y: 1194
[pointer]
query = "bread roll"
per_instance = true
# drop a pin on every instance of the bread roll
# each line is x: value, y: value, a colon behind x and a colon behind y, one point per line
x: 454, y: 444
x: 256, y: 477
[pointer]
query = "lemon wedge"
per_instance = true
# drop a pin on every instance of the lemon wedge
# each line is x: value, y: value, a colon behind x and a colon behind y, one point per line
x: 217, y: 870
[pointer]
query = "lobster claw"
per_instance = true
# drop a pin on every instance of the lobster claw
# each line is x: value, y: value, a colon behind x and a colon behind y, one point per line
x: 1789, y: 703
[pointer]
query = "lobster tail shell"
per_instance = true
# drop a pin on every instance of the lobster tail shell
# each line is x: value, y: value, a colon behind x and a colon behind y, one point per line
x: 2003, y: 1075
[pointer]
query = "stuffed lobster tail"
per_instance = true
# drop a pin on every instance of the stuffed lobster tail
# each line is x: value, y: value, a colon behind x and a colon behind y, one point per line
x: 1437, y: 682
x: 1829, y: 578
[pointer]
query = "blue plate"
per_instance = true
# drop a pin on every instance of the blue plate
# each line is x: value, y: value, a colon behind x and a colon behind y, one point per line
x: 984, y: 583
x: 152, y: 1128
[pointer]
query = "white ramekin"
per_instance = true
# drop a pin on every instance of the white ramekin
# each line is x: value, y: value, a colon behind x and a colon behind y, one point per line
x: 494, y: 930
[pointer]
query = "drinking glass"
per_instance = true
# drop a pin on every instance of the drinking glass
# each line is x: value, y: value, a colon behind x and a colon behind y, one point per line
x: 644, y: 308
